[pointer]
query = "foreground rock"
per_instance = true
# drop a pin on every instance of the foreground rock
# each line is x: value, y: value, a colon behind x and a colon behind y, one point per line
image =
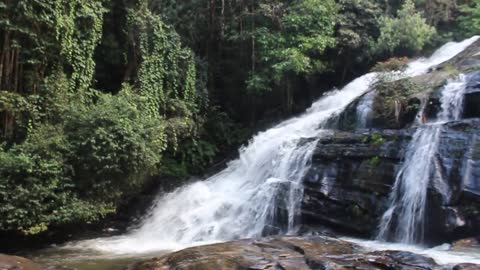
x: 8, y: 262
x: 472, y: 243
x: 290, y: 253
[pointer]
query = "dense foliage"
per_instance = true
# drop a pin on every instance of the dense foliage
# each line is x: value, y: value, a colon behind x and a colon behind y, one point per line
x: 469, y: 21
x: 96, y: 96
x: 408, y: 30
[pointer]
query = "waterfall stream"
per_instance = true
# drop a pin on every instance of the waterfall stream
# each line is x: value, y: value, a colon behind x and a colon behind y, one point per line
x: 260, y: 192
x: 404, y: 220
x: 364, y: 109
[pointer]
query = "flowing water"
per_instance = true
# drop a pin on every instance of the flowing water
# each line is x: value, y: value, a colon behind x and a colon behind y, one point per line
x: 441, y: 254
x: 364, y: 110
x: 404, y: 220
x: 244, y: 199
x: 258, y: 193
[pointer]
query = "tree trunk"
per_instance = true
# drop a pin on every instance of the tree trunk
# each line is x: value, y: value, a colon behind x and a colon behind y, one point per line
x: 2, y: 56
x: 288, y: 94
x: 11, y: 70
x: 17, y: 71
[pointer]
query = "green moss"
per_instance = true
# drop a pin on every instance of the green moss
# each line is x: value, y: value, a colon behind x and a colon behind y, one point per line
x: 356, y: 211
x: 374, y: 138
x: 377, y: 138
x: 365, y: 138
x: 374, y: 161
x: 471, y: 210
x: 451, y: 70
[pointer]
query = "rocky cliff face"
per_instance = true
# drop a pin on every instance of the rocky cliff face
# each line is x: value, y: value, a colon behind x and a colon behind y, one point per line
x: 350, y: 178
x: 353, y: 169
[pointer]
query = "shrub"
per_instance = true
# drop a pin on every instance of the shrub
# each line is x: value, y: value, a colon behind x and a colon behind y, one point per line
x: 469, y: 21
x: 35, y: 189
x: 80, y: 169
x: 392, y: 97
x: 113, y: 145
x: 392, y: 64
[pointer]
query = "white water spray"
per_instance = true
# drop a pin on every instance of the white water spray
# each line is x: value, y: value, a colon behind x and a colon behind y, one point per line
x: 404, y: 220
x: 261, y: 189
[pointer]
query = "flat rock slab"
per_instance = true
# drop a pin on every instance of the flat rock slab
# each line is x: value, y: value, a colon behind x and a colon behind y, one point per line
x: 291, y: 253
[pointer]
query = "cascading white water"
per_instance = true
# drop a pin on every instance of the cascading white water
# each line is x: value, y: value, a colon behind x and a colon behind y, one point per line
x: 452, y: 99
x: 404, y: 219
x: 364, y: 109
x: 242, y: 200
x: 263, y: 186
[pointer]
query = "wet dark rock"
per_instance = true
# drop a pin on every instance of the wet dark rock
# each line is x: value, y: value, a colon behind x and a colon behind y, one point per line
x: 8, y: 262
x: 290, y: 253
x: 466, y: 266
x: 347, y: 120
x: 407, y: 259
x: 278, y: 219
x: 352, y: 172
x: 471, y: 100
x: 472, y: 96
x: 351, y: 175
x: 453, y: 205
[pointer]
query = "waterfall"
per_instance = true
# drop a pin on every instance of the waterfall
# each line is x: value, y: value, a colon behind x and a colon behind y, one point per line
x: 404, y: 219
x: 260, y: 192
x: 364, y: 110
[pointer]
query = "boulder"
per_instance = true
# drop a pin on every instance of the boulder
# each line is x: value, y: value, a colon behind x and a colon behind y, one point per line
x: 8, y: 262
x: 466, y: 266
x: 288, y: 253
x: 472, y: 243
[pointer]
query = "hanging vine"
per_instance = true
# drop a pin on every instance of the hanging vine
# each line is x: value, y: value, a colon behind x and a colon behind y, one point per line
x: 167, y: 73
x: 79, y: 29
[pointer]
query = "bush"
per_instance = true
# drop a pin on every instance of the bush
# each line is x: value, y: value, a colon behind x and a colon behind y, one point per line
x: 219, y: 134
x: 392, y: 64
x: 392, y: 98
x: 469, y: 21
x: 35, y: 189
x: 79, y: 170
x: 113, y: 146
